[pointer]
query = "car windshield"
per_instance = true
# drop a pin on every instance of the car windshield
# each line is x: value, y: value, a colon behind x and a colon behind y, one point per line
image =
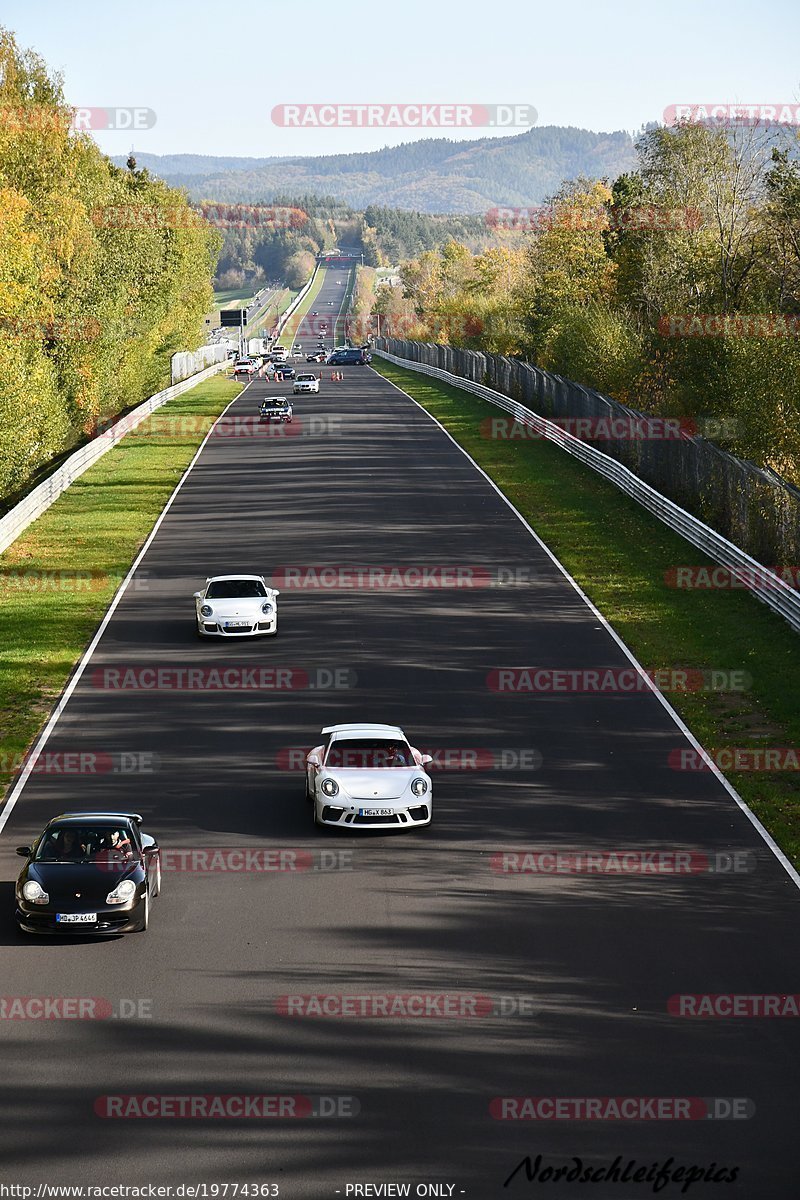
x: 369, y: 753
x: 275, y: 404
x: 84, y: 843
x: 235, y: 589
x: 306, y: 378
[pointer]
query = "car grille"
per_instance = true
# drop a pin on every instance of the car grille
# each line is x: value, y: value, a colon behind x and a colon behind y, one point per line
x: 394, y: 819
x: 241, y: 629
x: 330, y: 813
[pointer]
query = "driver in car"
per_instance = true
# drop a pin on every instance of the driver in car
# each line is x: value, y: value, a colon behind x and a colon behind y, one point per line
x: 395, y: 757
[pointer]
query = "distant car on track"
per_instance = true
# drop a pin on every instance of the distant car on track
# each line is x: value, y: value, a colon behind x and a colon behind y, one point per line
x: 245, y: 366
x: 320, y: 357
x: 276, y: 409
x: 88, y: 873
x: 342, y: 357
x: 306, y: 383
x: 367, y: 776
x: 236, y: 606
x: 284, y: 371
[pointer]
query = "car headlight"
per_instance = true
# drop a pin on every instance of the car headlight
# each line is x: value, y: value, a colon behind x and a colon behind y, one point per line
x: 206, y: 610
x: 419, y: 786
x: 330, y: 787
x: 266, y: 608
x: 122, y: 893
x: 34, y: 893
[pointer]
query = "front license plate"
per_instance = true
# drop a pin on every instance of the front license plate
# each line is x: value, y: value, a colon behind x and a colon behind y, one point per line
x: 375, y: 812
x: 76, y: 918
x: 236, y: 624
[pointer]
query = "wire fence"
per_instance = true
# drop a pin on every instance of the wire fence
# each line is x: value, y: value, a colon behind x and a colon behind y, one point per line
x: 739, y: 514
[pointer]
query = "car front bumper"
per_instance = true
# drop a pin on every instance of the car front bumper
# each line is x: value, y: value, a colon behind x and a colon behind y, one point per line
x: 110, y: 920
x: 265, y: 626
x: 347, y: 815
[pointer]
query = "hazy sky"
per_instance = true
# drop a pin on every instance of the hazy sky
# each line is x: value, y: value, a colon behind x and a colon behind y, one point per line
x: 212, y: 72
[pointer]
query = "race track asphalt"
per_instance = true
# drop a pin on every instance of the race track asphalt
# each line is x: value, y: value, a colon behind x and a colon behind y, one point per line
x: 578, y: 968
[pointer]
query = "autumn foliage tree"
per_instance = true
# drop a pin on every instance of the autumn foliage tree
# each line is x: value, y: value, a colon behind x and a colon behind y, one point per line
x: 104, y: 273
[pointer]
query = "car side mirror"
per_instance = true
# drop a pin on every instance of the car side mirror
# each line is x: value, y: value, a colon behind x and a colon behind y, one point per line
x: 24, y: 851
x: 198, y: 595
x: 427, y: 758
x: 314, y: 760
x: 276, y: 591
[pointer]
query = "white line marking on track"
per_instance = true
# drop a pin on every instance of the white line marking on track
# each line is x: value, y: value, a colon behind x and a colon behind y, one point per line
x: 72, y: 683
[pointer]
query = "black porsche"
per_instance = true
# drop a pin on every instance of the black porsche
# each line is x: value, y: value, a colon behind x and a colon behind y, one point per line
x: 88, y: 873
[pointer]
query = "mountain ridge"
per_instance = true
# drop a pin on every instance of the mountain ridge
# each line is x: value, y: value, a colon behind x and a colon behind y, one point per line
x: 434, y: 175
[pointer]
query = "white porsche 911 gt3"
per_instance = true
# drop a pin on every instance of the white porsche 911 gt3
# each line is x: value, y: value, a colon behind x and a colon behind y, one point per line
x: 236, y: 606
x: 367, y: 776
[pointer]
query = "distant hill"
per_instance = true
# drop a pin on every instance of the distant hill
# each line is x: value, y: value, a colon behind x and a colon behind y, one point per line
x: 434, y: 175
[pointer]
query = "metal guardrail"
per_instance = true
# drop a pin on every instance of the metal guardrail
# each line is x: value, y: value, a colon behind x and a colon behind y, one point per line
x: 752, y: 575
x: 17, y: 520
x: 188, y: 363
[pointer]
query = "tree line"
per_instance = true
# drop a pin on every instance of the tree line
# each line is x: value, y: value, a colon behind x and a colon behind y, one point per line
x: 105, y: 275
x: 674, y: 288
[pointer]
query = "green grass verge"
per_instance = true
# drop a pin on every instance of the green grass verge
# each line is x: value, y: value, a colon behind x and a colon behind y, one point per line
x: 341, y: 319
x: 620, y: 554
x: 58, y: 578
x: 233, y: 297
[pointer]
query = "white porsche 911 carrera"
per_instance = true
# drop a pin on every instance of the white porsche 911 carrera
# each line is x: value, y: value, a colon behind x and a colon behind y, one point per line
x: 367, y: 776
x: 236, y: 606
